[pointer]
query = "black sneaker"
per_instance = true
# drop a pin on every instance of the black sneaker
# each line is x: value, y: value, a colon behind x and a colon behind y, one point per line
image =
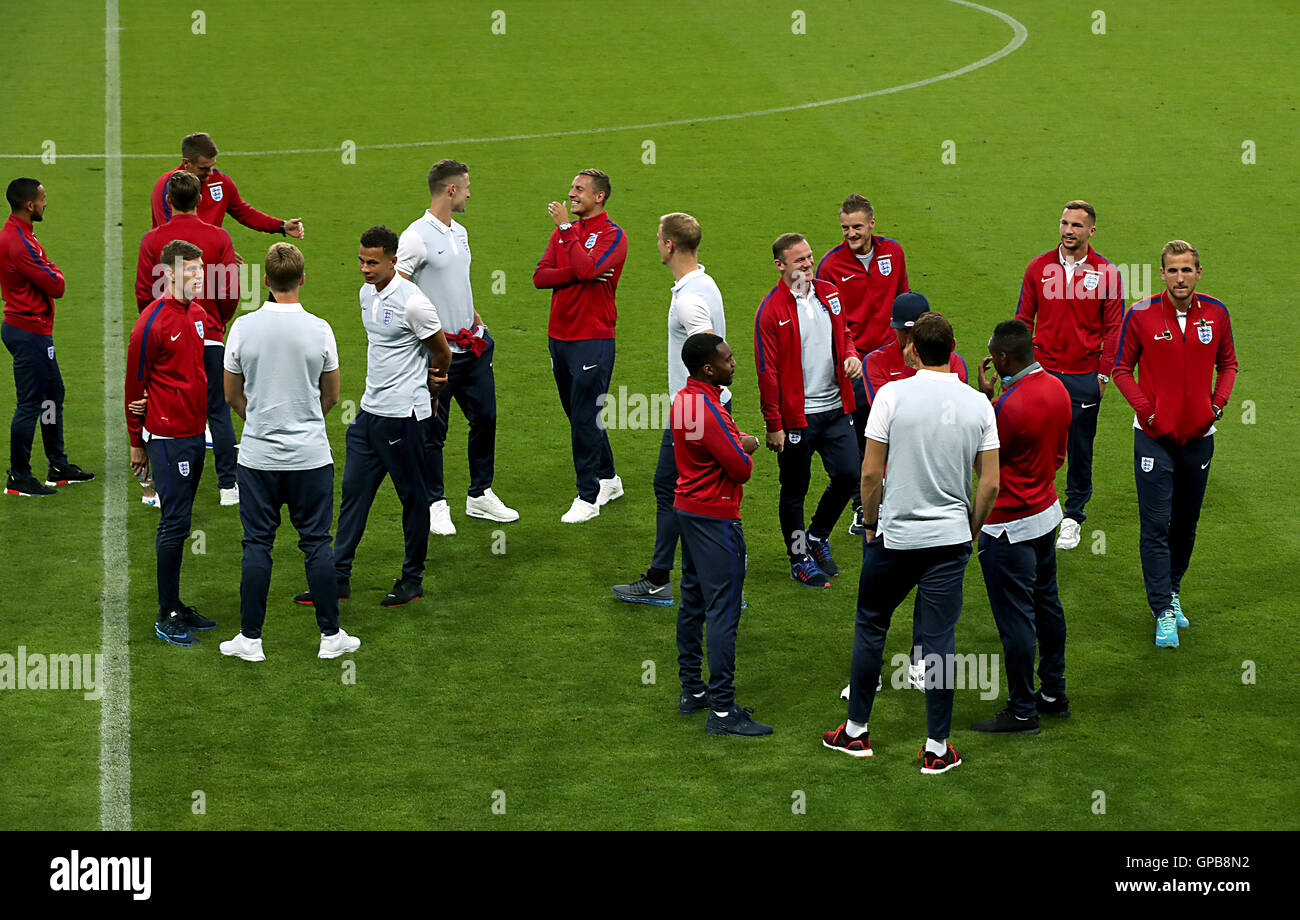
x: 403, y: 592
x: 195, y: 620
x: 820, y: 550
x: 931, y: 763
x: 1059, y: 708
x: 345, y: 593
x: 689, y: 704
x: 736, y: 722
x: 170, y: 627
x: 1007, y: 723
x: 858, y: 526
x: 645, y: 591
x: 67, y: 475
x: 26, y: 485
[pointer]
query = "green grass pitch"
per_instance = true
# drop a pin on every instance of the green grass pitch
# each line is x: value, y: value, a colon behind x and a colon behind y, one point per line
x: 518, y: 672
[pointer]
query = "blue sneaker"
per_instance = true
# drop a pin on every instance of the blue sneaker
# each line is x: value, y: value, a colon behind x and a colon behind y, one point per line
x: 820, y: 550
x: 806, y: 572
x: 1181, y: 620
x: 171, y: 628
x: 1166, y: 630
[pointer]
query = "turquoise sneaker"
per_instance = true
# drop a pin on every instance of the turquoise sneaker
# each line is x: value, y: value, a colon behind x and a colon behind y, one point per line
x: 1181, y: 620
x: 1166, y: 630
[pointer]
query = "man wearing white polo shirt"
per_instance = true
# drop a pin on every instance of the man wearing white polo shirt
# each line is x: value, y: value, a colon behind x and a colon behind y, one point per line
x: 932, y: 429
x: 386, y: 438
x: 696, y: 306
x: 282, y: 378
x: 434, y: 253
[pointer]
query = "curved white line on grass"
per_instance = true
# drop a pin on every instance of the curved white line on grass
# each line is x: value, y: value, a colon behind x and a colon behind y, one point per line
x: 1017, y: 39
x: 115, y: 706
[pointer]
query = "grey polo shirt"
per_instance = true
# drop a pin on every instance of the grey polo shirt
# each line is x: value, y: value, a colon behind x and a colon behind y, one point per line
x: 397, y: 319
x: 437, y: 258
x: 282, y: 350
x: 821, y: 388
x: 934, y: 425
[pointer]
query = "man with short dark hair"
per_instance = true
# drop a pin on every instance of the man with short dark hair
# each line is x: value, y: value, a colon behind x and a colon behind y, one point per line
x: 29, y: 284
x: 282, y: 378
x: 165, y: 358
x: 219, y: 300
x: 806, y: 363
x: 932, y: 429
x: 218, y: 195
x: 1072, y: 299
x: 386, y: 438
x: 714, y: 460
x: 434, y: 253
x: 1179, y: 345
x: 870, y: 272
x: 581, y: 267
x: 1017, y: 544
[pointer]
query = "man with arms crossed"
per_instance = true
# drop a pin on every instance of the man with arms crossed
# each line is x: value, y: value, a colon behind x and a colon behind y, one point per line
x: 282, y: 378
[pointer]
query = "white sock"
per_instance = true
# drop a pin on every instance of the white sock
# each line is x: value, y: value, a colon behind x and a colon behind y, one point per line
x: 937, y: 748
x: 855, y: 729
x: 1046, y: 698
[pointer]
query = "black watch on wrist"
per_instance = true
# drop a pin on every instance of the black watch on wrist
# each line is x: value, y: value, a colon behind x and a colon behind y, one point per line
x: 565, y: 226
x: 1218, y: 412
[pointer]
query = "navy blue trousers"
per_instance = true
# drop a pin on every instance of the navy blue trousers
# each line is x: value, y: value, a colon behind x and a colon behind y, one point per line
x: 830, y: 434
x: 1085, y: 405
x: 1169, y: 505
x: 888, y: 576
x: 583, y: 370
x: 713, y: 580
x: 38, y: 386
x: 310, y: 497
x: 176, y: 465
x: 860, y: 416
x: 1021, y: 583
x: 224, y: 457
x: 378, y: 446
x: 665, y: 487
x: 470, y: 382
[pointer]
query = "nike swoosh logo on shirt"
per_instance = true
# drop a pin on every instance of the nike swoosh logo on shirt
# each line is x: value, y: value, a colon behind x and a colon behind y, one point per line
x: 846, y: 277
x: 441, y: 251
x: 587, y: 367
x: 784, y: 322
x: 176, y: 336
x: 1087, y: 405
x: 894, y: 373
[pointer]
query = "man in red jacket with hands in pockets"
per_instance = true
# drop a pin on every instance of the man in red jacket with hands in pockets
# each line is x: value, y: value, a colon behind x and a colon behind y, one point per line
x: 714, y: 460
x: 1180, y: 344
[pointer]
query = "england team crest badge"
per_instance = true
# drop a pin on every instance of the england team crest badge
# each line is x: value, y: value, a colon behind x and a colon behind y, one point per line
x: 1091, y: 280
x: 215, y: 190
x: 184, y: 467
x: 50, y: 351
x: 1205, y: 333
x: 388, y: 317
x: 834, y: 303
x: 591, y: 241
x: 1148, y: 464
x: 794, y: 437
x: 886, y: 266
x: 198, y: 325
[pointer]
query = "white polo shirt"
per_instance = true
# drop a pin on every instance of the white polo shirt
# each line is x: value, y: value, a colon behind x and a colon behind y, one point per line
x: 696, y: 306
x: 282, y: 350
x: 397, y: 319
x: 821, y: 389
x: 934, y: 425
x: 437, y: 258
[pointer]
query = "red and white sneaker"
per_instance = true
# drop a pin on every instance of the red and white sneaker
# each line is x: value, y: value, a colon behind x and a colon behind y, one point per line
x: 933, y: 763
x: 841, y: 740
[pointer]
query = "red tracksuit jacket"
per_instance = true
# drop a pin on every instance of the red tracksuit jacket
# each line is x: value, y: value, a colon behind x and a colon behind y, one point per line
x: 867, y: 294
x: 220, y: 270
x: 778, y: 354
x: 1033, y: 429
x: 886, y: 363
x: 165, y: 358
x: 217, y: 196
x: 29, y: 281
x: 711, y: 464
x: 1075, y: 325
x: 1176, y: 370
x: 581, y: 306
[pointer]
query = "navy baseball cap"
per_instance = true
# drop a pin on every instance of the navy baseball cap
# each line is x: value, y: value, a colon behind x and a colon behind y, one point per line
x: 908, y: 308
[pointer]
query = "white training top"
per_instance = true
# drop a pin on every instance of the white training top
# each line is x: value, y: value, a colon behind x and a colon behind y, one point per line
x: 397, y: 319
x: 282, y: 350
x: 934, y: 425
x: 696, y: 306
x: 437, y: 258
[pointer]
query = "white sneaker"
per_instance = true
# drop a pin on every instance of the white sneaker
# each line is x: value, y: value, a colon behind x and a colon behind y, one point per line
x: 230, y: 496
x: 610, y: 489
x: 490, y: 508
x: 153, y: 501
x: 580, y: 511
x: 338, y: 644
x: 440, y: 519
x: 1070, y: 534
x: 243, y: 647
x: 916, y: 675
